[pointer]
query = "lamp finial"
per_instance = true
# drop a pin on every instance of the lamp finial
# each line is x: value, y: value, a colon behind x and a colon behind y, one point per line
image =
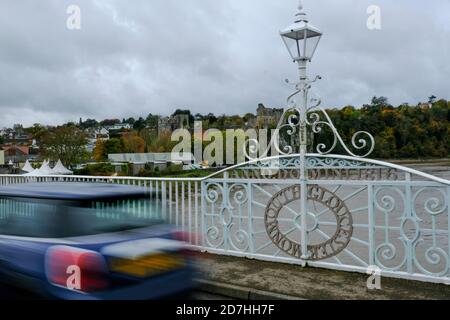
x: 301, y: 15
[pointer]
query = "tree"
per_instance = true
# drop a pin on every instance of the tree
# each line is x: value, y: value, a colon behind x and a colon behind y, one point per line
x: 185, y: 112
x: 36, y: 131
x: 248, y: 117
x: 139, y: 124
x: 380, y: 101
x: 89, y: 123
x: 104, y: 148
x: 152, y: 120
x: 99, y: 151
x: 130, y: 121
x: 432, y: 99
x: 113, y: 145
x: 67, y: 143
x: 109, y: 122
x: 132, y: 143
x: 161, y: 143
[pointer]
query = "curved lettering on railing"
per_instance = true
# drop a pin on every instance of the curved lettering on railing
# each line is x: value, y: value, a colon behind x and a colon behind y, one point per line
x: 253, y: 162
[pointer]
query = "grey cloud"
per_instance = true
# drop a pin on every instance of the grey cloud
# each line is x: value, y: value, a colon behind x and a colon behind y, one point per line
x: 140, y: 57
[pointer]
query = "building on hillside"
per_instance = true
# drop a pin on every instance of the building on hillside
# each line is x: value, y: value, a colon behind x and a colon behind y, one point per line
x: 95, y: 135
x: 102, y: 134
x: 167, y: 125
x: 119, y: 126
x: 161, y: 161
x: 425, y: 106
x: 267, y: 117
x: 17, y: 138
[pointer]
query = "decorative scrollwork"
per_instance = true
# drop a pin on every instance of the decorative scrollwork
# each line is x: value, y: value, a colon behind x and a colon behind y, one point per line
x: 239, y: 240
x: 358, y: 142
x: 238, y: 193
x: 388, y: 252
x: 315, y: 162
x: 213, y: 192
x: 435, y: 257
x: 308, y: 113
x: 213, y: 237
x: 226, y: 202
x: 387, y: 203
x: 386, y: 200
x: 435, y: 205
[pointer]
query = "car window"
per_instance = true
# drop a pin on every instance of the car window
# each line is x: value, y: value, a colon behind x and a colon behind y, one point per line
x: 58, y: 219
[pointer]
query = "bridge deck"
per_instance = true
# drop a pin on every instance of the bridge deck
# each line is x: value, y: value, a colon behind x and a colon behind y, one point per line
x: 313, y: 283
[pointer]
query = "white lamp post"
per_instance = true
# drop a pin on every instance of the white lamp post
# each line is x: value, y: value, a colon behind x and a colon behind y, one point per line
x: 301, y: 40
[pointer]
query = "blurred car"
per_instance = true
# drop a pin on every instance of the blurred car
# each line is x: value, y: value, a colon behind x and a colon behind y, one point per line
x: 90, y: 241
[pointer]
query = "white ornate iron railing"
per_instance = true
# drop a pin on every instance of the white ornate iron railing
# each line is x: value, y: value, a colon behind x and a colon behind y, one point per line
x: 359, y: 213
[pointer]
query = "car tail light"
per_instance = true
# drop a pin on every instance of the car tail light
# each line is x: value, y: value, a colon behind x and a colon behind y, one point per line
x: 188, y: 237
x: 181, y: 236
x: 76, y: 269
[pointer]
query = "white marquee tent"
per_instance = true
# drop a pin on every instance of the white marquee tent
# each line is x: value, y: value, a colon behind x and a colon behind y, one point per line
x: 33, y: 173
x: 27, y: 167
x: 45, y: 170
x: 59, y: 169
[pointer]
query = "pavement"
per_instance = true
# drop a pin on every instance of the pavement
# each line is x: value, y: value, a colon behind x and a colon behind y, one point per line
x: 246, y: 279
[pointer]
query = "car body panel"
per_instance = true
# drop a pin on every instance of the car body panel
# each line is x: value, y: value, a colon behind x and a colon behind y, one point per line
x: 23, y: 259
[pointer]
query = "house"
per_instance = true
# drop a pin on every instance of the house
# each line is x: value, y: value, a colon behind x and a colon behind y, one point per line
x: 119, y: 126
x: 425, y: 106
x: 16, y: 154
x: 102, y: 134
x: 95, y: 135
x: 17, y: 138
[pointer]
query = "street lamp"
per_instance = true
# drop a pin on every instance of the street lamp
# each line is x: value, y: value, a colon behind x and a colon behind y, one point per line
x: 301, y: 39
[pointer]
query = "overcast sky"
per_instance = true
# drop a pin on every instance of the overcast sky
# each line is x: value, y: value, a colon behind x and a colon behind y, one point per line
x: 131, y: 58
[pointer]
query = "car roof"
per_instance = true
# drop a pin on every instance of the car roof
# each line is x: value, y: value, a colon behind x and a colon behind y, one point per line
x: 72, y: 191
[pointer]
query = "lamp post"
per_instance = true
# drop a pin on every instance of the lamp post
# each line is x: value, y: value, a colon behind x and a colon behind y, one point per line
x: 301, y: 39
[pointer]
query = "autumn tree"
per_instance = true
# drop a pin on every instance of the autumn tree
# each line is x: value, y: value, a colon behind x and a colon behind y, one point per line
x: 67, y: 143
x: 161, y: 143
x: 105, y: 147
x: 132, y: 143
x: 99, y: 151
